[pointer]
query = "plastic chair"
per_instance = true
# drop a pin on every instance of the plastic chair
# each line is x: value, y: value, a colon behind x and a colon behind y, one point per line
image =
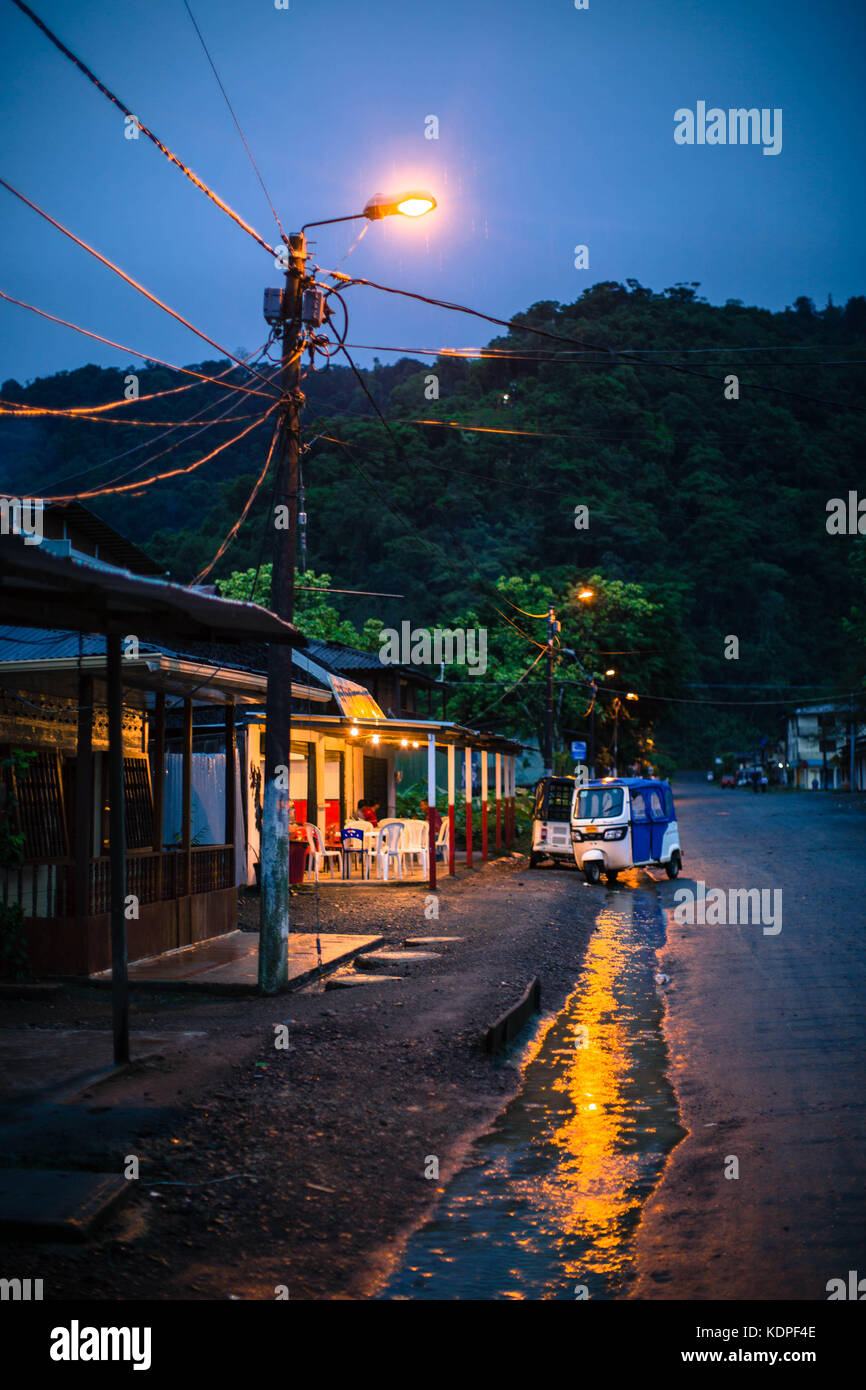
x: 317, y: 852
x: 442, y: 838
x: 416, y: 843
x: 389, y: 846
x: 353, y: 838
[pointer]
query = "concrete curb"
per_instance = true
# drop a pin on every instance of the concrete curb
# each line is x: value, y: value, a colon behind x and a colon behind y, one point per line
x: 509, y: 1024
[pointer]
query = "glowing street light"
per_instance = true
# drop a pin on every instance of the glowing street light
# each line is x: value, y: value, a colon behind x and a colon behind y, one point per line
x: 414, y: 202
x: 630, y: 695
x: 586, y: 594
x: 410, y: 204
x: 611, y: 671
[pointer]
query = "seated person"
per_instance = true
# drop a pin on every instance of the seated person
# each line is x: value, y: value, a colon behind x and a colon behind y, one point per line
x: 368, y: 811
x: 437, y: 819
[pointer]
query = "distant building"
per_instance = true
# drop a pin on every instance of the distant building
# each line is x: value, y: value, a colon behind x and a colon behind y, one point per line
x: 819, y: 747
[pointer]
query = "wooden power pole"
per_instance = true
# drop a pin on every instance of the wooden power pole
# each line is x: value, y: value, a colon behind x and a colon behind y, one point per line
x: 274, y: 918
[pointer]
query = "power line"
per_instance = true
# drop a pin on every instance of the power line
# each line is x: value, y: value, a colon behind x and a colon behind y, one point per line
x: 569, y: 359
x: 106, y: 463
x: 87, y: 411
x: 485, y: 712
x: 145, y: 356
x: 175, y: 472
x: 194, y: 178
x: 123, y: 275
x: 489, y: 429
x: 100, y: 419
x: 236, y: 526
x: 627, y: 356
x: 235, y: 119
x: 472, y: 354
x: 224, y: 416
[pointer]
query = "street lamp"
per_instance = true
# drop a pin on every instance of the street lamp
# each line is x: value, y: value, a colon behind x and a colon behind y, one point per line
x: 586, y: 594
x: 412, y: 203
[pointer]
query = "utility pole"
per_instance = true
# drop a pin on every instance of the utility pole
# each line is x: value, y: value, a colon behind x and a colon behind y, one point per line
x: 552, y: 628
x: 274, y: 910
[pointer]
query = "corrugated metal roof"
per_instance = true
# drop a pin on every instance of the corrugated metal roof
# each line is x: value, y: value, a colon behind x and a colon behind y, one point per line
x: 36, y: 585
x: 46, y: 644
x: 342, y: 658
x: 39, y: 643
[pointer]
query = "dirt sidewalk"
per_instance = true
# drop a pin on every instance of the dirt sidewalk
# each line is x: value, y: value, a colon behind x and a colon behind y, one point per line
x: 262, y: 1167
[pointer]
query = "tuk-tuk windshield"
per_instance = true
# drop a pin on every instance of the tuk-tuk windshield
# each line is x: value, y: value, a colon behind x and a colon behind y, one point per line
x: 599, y: 803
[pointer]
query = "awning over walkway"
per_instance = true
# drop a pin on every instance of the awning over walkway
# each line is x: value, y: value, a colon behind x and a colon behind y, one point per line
x: 45, y: 589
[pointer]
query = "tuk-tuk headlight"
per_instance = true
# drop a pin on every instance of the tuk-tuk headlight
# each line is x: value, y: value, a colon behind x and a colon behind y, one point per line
x: 617, y: 834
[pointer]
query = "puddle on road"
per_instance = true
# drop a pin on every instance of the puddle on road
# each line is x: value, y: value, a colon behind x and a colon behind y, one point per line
x: 551, y: 1195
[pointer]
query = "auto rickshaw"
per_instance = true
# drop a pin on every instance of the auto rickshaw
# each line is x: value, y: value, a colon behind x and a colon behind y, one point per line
x: 551, y: 815
x: 622, y: 823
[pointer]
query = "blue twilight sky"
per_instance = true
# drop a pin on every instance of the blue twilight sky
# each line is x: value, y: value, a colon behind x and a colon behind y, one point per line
x: 555, y: 129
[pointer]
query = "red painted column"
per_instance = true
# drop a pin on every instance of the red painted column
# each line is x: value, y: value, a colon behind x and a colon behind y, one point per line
x: 451, y: 808
x: 498, y: 777
x: 431, y: 809
x: 484, y: 805
x: 467, y: 756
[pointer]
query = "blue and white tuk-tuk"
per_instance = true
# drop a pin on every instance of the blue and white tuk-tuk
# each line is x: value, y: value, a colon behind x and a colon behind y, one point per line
x: 622, y: 823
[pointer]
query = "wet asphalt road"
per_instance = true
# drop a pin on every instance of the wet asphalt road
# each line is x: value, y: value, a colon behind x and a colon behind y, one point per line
x: 767, y: 1051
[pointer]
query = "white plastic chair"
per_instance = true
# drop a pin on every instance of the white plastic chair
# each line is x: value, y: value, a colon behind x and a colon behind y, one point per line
x: 416, y: 842
x: 389, y: 846
x: 442, y: 837
x: 317, y: 852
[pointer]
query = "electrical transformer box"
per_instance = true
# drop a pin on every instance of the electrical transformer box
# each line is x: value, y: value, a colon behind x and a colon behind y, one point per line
x: 313, y: 307
x: 273, y: 306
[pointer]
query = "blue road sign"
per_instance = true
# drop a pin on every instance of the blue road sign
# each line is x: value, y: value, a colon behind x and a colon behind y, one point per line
x: 578, y: 750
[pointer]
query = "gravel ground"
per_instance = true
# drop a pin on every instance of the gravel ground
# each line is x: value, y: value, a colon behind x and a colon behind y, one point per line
x: 321, y: 1148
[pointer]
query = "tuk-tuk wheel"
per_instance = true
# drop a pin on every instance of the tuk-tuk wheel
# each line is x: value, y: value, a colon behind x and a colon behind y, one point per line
x: 673, y: 866
x: 533, y: 861
x: 592, y: 871
x: 612, y: 875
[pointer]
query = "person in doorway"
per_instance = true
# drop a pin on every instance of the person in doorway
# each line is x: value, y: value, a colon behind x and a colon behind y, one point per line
x: 425, y: 815
x: 437, y: 825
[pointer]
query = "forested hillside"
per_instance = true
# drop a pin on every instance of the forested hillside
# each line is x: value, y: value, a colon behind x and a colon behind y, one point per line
x: 706, y: 514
